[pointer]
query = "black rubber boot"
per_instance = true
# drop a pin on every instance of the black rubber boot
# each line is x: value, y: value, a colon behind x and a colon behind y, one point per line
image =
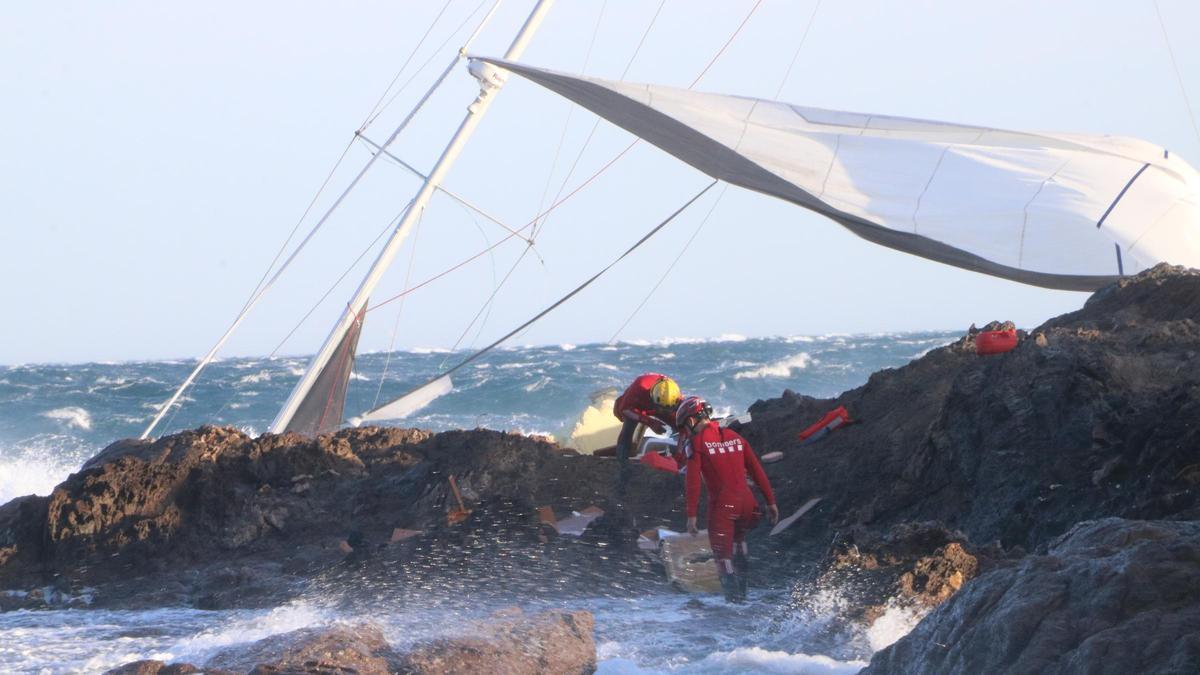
x: 741, y: 568
x: 729, y: 585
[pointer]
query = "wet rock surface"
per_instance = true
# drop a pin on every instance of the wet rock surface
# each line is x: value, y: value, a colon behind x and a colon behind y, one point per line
x: 554, y: 642
x: 1111, y: 596
x: 958, y: 468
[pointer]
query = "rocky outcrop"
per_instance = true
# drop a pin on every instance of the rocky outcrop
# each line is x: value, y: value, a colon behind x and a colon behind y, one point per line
x: 554, y: 643
x: 339, y: 649
x: 1111, y: 596
x: 214, y: 518
x: 1095, y: 415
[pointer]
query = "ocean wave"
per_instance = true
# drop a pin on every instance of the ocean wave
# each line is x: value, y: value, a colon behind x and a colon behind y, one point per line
x: 540, y: 384
x: 780, y: 368
x: 567, y: 347
x: 260, y: 376
x: 73, y: 416
x: 671, y: 341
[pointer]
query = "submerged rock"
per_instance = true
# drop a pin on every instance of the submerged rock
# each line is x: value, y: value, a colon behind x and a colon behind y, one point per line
x: 339, y: 649
x: 1112, y: 596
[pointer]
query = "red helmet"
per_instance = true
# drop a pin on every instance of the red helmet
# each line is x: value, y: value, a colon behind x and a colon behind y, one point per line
x: 692, y: 406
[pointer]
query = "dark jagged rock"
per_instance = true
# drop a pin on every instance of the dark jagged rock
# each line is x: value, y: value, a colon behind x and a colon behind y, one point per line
x: 1111, y: 596
x: 1098, y: 416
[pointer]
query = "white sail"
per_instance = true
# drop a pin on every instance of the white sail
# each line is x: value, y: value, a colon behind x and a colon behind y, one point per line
x: 1061, y: 211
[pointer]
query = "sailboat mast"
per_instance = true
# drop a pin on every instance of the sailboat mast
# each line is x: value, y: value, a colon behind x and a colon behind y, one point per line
x: 490, y: 81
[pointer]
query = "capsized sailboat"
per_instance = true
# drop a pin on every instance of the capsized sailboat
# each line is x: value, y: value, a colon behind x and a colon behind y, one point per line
x: 1054, y: 210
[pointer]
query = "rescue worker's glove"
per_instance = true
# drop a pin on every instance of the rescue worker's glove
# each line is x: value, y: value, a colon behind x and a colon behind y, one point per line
x: 691, y: 526
x: 654, y: 423
x: 773, y: 513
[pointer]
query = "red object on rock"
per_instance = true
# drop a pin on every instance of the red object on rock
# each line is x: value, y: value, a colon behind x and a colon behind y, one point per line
x: 657, y: 461
x: 995, y: 341
x: 832, y: 420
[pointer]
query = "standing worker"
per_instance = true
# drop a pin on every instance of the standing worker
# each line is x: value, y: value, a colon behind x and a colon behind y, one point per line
x: 650, y: 401
x: 724, y: 459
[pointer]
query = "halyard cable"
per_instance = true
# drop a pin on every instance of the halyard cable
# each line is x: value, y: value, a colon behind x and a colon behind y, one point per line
x: 1175, y: 65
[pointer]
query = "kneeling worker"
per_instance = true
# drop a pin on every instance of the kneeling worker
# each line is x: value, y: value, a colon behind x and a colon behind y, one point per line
x: 649, y: 401
x: 723, y: 458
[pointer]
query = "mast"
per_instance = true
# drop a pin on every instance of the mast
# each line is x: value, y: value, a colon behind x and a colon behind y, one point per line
x: 490, y: 80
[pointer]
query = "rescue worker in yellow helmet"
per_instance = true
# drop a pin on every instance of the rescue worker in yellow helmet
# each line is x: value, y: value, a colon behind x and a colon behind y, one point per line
x: 651, y: 401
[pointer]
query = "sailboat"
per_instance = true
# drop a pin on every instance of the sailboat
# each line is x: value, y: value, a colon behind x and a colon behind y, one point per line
x: 1058, y: 211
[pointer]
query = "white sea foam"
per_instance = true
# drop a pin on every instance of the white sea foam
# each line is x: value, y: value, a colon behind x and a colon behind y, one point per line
x: 36, y: 469
x: 567, y: 347
x: 539, y: 384
x: 354, y: 375
x: 759, y: 660
x: 780, y: 368
x: 252, y: 627
x: 893, y: 624
x: 255, y: 378
x: 428, y: 350
x: 72, y: 416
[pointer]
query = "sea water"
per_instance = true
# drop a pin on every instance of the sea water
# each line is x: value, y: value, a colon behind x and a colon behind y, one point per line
x: 53, y: 417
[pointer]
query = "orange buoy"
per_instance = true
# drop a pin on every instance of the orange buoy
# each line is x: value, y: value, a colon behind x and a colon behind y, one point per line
x: 995, y: 341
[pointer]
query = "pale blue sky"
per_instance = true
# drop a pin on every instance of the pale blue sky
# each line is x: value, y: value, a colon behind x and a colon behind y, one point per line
x: 155, y: 155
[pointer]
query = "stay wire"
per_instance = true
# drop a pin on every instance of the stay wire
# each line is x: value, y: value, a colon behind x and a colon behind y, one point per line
x: 412, y: 259
x: 671, y: 267
x: 438, y: 50
x: 1175, y: 65
x: 596, y: 124
x: 375, y: 108
x: 799, y: 46
x: 570, y: 295
x: 391, y: 224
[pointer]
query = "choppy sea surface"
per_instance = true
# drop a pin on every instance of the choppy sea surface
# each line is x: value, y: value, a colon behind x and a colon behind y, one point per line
x: 53, y: 417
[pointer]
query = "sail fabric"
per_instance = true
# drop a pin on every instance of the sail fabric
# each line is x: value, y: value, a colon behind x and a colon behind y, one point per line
x: 322, y: 408
x: 1061, y: 211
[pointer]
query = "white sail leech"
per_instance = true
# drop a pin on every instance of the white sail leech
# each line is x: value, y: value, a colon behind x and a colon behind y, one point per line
x: 1041, y: 209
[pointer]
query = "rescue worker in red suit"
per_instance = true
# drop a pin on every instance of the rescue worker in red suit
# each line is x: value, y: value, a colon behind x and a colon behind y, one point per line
x: 723, y: 459
x: 649, y: 401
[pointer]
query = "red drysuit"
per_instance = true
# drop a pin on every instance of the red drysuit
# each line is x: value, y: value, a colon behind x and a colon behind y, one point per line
x: 723, y: 457
x: 635, y: 404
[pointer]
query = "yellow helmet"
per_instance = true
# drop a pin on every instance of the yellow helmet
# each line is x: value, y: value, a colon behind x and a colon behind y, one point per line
x: 665, y: 393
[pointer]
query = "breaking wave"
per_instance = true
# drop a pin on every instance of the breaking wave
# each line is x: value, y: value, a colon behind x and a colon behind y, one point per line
x: 72, y: 416
x: 781, y: 368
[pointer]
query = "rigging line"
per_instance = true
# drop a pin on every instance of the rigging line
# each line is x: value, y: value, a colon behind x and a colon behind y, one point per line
x: 1175, y: 65
x: 449, y: 193
x: 487, y: 303
x: 524, y: 227
x: 412, y: 259
x: 576, y: 290
x: 354, y: 264
x: 496, y: 283
x: 596, y: 124
x: 727, y: 43
x: 562, y: 138
x: 800, y: 46
x: 457, y: 55
x: 671, y: 267
x: 407, y: 61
